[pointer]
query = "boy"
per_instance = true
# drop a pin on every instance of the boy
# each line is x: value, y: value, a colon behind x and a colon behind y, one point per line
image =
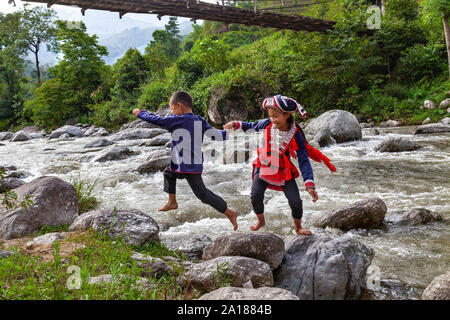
x: 187, y: 131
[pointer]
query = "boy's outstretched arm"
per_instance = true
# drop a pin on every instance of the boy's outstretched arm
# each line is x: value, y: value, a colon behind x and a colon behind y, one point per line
x: 164, y: 122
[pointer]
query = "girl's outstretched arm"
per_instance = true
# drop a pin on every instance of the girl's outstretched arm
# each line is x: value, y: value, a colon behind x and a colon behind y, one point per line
x: 256, y: 126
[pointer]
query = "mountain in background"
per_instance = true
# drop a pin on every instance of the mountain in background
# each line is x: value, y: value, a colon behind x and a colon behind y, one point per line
x: 118, y: 35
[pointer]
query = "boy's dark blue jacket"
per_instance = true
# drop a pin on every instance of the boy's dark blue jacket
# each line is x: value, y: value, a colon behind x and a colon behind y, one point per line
x: 187, y: 126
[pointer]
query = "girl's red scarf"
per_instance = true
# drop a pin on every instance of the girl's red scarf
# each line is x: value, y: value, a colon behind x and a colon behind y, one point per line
x: 276, y: 167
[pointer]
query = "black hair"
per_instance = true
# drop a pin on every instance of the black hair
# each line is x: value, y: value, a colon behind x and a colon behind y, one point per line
x: 291, y: 121
x: 182, y: 97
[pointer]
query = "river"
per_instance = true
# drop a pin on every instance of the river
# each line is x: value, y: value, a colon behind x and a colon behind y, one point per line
x: 406, y: 180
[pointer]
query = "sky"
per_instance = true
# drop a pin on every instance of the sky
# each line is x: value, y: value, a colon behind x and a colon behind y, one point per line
x: 102, y: 23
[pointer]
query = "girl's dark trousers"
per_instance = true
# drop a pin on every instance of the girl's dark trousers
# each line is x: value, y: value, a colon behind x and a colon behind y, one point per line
x: 290, y: 190
x: 197, y: 185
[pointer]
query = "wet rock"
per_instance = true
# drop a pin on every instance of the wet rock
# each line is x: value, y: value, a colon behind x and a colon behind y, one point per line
x: 136, y: 134
x: 20, y: 174
x: 99, y: 143
x: 21, y: 136
x: 7, y: 184
x: 324, y: 267
x: 342, y: 125
x: 69, y: 130
x: 6, y: 135
x: 192, y: 248
x: 391, y: 289
x: 152, y: 266
x: 114, y: 154
x: 397, y: 145
x: 55, y: 202
x: 390, y: 123
x: 138, y: 124
x: 445, y: 104
x: 368, y: 213
x: 374, y: 132
x: 205, y: 276
x: 432, y: 128
x: 155, y: 165
x: 263, y: 293
x: 438, y: 289
x: 133, y: 225
x: 36, y: 135
x: 265, y: 247
x: 159, y: 140
x: 102, y: 132
x: 412, y: 217
x: 157, y: 154
x: 324, y: 138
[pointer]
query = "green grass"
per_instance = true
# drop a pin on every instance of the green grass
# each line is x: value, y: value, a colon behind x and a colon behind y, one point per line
x: 50, y: 229
x: 86, y: 200
x: 23, y: 277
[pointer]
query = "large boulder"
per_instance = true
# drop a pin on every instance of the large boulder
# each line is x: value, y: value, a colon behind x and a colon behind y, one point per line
x: 159, y: 140
x: 99, y: 143
x: 265, y: 247
x: 55, y: 202
x: 21, y: 136
x: 438, y: 289
x: 397, y: 145
x: 432, y: 128
x: 191, y: 248
x: 134, y: 226
x: 226, y: 105
x: 6, y: 135
x: 362, y: 214
x: 263, y: 293
x: 155, y: 165
x: 138, y: 124
x: 210, y: 275
x: 136, y: 134
x: 341, y: 125
x: 323, y: 266
x: 72, y: 131
x: 414, y: 217
x: 114, y: 154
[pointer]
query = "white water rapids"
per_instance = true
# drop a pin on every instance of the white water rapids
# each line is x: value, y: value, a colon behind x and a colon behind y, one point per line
x: 405, y: 180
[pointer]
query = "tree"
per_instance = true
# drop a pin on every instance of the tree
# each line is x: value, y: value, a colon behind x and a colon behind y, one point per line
x: 169, y: 39
x: 37, y: 27
x: 77, y: 78
x: 436, y: 8
x: 12, y: 64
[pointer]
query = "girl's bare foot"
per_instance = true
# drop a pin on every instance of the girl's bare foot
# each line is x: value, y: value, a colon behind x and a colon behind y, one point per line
x: 232, y: 216
x: 261, y: 223
x: 169, y: 206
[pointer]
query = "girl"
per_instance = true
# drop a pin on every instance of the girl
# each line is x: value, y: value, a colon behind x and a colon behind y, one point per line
x: 273, y: 169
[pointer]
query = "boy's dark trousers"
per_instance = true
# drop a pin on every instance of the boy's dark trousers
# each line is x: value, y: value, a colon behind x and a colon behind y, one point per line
x: 197, y: 185
x: 290, y: 190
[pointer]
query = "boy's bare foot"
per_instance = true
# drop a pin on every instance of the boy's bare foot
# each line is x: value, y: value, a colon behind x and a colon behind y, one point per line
x: 261, y: 223
x: 303, y: 232
x: 232, y: 216
x: 169, y: 206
